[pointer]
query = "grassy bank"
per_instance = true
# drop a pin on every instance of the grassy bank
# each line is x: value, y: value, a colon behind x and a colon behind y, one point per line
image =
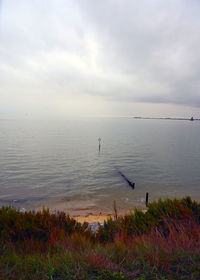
x: 163, y: 243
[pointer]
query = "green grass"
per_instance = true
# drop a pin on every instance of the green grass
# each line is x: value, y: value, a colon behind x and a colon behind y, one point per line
x: 162, y: 244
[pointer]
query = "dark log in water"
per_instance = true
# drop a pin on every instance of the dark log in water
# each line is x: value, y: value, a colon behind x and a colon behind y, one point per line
x: 132, y: 184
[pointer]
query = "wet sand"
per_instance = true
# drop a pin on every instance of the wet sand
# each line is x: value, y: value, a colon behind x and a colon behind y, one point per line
x: 89, y: 215
x: 82, y: 211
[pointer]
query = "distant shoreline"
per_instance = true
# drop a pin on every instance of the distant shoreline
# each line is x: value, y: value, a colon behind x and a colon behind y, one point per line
x: 166, y: 118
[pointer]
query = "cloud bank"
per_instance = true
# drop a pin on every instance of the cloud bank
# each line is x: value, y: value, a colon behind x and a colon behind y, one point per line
x: 93, y: 58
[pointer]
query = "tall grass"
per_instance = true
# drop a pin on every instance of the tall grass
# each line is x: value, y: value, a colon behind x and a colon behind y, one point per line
x: 163, y: 243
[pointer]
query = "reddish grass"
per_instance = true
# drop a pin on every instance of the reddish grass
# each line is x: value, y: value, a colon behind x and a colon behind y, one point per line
x: 163, y: 242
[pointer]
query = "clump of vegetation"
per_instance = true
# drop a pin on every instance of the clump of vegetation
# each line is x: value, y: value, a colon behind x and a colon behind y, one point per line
x: 163, y: 243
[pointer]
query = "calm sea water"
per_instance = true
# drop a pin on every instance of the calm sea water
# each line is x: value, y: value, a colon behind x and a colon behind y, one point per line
x: 57, y: 163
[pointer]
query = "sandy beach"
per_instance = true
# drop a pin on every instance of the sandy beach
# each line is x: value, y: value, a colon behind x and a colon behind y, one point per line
x: 93, y: 218
x: 81, y: 212
x: 89, y: 215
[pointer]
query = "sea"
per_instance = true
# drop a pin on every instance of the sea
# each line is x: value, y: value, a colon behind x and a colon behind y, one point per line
x: 58, y: 164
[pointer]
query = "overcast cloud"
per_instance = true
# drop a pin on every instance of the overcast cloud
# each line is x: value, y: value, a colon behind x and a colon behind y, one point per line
x: 100, y: 58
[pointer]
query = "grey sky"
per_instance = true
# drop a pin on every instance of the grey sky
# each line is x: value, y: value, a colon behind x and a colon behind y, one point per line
x: 100, y: 58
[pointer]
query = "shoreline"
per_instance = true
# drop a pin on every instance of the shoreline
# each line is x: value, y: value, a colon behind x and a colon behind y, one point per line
x: 94, y: 215
x: 91, y: 214
x: 81, y: 215
x: 87, y: 214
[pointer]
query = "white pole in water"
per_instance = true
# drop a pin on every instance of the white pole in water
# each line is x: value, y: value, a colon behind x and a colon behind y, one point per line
x: 99, y: 143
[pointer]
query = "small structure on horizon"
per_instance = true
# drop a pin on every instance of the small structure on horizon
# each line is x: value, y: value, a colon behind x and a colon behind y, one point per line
x: 191, y: 119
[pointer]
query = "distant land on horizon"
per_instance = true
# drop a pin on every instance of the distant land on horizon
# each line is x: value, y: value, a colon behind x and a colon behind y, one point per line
x: 167, y: 118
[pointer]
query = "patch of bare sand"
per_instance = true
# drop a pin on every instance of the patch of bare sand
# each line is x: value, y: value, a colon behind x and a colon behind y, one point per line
x: 100, y: 218
x: 93, y: 218
x: 82, y: 213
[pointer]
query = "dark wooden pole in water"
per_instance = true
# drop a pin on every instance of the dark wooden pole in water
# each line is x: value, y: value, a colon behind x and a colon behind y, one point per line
x: 147, y: 199
x: 99, y: 143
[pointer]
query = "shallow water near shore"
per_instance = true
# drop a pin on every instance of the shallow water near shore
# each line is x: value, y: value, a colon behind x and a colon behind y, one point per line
x: 57, y: 164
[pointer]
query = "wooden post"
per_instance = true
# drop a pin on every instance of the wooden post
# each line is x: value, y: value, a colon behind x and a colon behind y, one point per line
x: 147, y: 199
x: 99, y: 143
